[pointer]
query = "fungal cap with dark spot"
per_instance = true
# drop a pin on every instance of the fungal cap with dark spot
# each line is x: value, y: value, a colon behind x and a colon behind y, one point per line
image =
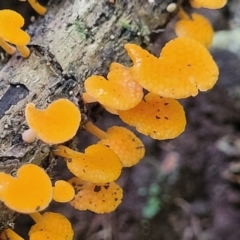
x: 184, y: 67
x: 98, y: 198
x: 99, y: 164
x: 52, y: 224
x: 158, y: 117
x: 125, y: 144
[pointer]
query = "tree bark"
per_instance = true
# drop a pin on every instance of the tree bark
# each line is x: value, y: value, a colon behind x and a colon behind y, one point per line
x: 74, y: 40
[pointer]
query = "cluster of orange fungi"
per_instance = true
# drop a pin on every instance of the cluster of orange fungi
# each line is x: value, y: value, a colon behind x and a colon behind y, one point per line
x: 11, y: 23
x: 183, y: 68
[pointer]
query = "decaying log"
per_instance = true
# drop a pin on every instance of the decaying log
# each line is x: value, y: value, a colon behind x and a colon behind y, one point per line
x: 75, y: 39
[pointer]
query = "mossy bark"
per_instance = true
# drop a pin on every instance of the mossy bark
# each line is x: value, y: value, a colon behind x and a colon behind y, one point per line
x: 74, y: 40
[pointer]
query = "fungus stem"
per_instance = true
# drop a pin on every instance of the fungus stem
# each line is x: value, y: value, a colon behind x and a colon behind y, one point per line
x: 90, y: 127
x: 7, y: 47
x: 36, y: 216
x: 24, y: 50
x: 29, y: 136
x: 10, y: 234
x: 37, y: 7
x: 182, y: 14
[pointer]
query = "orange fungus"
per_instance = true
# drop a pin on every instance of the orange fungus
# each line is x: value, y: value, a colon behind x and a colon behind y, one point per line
x: 119, y: 92
x: 99, y: 198
x: 158, y: 117
x: 56, y: 124
x: 29, y: 192
x: 184, y: 67
x: 197, y: 27
x: 63, y: 191
x: 11, y: 23
x: 98, y: 164
x: 51, y: 225
x: 211, y: 4
x: 125, y: 144
x: 37, y: 7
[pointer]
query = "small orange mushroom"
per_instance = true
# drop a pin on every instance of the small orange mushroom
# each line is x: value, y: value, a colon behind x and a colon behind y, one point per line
x: 197, y: 27
x: 99, y: 164
x: 211, y: 4
x: 63, y: 191
x: 52, y: 225
x: 184, y: 67
x: 120, y: 92
x: 99, y: 198
x: 161, y: 118
x: 29, y: 192
x: 10, y: 31
x: 56, y: 124
x: 122, y: 141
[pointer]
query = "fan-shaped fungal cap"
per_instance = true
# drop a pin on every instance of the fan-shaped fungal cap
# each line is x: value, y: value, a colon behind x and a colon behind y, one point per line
x: 125, y: 144
x: 56, y: 124
x: 99, y: 164
x: 52, y: 224
x: 161, y: 118
x: 184, y: 66
x: 213, y: 4
x: 99, y: 198
x: 63, y: 191
x: 120, y: 92
x: 29, y: 192
x: 197, y: 27
x: 10, y: 31
x: 10, y: 27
